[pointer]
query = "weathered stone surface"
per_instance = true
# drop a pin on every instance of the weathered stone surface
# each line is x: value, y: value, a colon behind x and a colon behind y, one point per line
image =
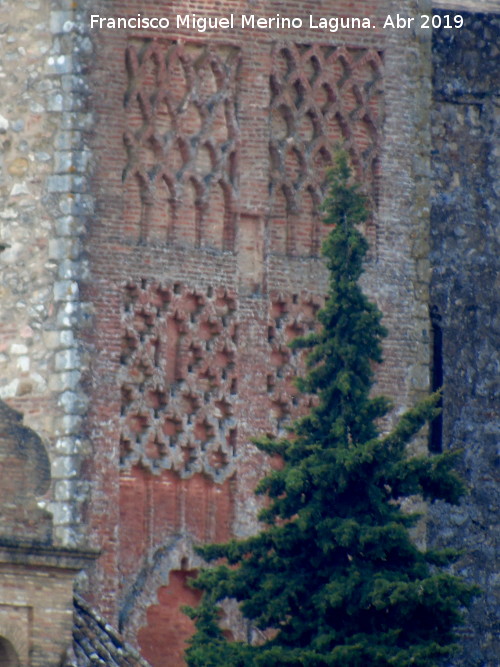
x: 44, y: 202
x: 465, y: 251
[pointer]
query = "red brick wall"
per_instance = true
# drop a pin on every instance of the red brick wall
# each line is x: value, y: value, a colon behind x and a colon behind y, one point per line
x: 36, y: 612
x: 211, y: 152
x: 160, y: 640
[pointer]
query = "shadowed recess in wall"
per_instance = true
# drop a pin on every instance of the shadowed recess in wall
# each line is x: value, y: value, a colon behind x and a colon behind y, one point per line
x: 8, y: 656
x: 323, y: 98
x: 181, y: 140
x: 24, y: 474
x: 163, y: 639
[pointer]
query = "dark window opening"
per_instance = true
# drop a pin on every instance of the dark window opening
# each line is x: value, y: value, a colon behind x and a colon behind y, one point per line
x: 8, y: 656
x: 436, y: 426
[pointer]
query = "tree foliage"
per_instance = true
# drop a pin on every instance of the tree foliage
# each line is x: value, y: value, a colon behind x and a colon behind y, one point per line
x: 334, y: 577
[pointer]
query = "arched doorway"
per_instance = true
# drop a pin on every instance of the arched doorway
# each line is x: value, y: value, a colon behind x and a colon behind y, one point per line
x: 8, y: 655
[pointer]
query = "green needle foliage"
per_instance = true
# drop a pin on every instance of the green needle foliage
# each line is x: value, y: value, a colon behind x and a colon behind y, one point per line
x: 334, y: 576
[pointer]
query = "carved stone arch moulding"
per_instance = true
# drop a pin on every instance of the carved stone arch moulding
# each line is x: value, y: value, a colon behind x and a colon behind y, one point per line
x: 181, y: 140
x: 323, y: 98
x: 150, y: 608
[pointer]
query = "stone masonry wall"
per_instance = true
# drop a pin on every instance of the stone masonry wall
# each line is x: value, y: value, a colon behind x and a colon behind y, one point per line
x: 210, y: 153
x: 44, y: 203
x: 465, y: 219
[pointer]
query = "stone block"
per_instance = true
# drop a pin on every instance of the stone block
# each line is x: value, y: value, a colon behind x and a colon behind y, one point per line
x: 60, y: 21
x: 63, y: 467
x: 67, y: 360
x: 66, y: 290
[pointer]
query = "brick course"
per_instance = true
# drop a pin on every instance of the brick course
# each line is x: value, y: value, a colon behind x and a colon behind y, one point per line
x: 210, y: 164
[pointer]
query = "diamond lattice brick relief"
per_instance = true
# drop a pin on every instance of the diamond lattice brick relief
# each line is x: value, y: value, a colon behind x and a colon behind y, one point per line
x: 289, y: 316
x: 323, y: 98
x: 178, y: 379
x: 181, y: 140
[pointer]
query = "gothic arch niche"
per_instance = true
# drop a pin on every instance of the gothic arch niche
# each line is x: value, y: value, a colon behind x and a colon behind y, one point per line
x: 136, y: 194
x: 306, y: 232
x: 162, y: 640
x: 190, y: 213
x: 163, y: 210
x: 278, y: 228
x: 217, y: 227
x: 8, y: 655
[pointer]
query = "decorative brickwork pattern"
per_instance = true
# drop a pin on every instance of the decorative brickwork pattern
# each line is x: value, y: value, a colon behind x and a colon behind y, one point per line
x: 182, y: 141
x: 289, y: 316
x: 322, y: 98
x: 179, y: 379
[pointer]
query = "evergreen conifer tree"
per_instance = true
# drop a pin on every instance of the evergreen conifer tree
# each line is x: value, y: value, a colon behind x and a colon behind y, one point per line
x: 334, y: 576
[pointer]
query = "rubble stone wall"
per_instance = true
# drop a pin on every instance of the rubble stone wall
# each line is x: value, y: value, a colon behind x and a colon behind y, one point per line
x: 465, y: 218
x: 44, y: 204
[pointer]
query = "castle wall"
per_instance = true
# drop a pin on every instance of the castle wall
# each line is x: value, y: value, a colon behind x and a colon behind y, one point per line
x: 464, y: 290
x: 159, y: 246
x: 43, y: 207
x: 211, y: 150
